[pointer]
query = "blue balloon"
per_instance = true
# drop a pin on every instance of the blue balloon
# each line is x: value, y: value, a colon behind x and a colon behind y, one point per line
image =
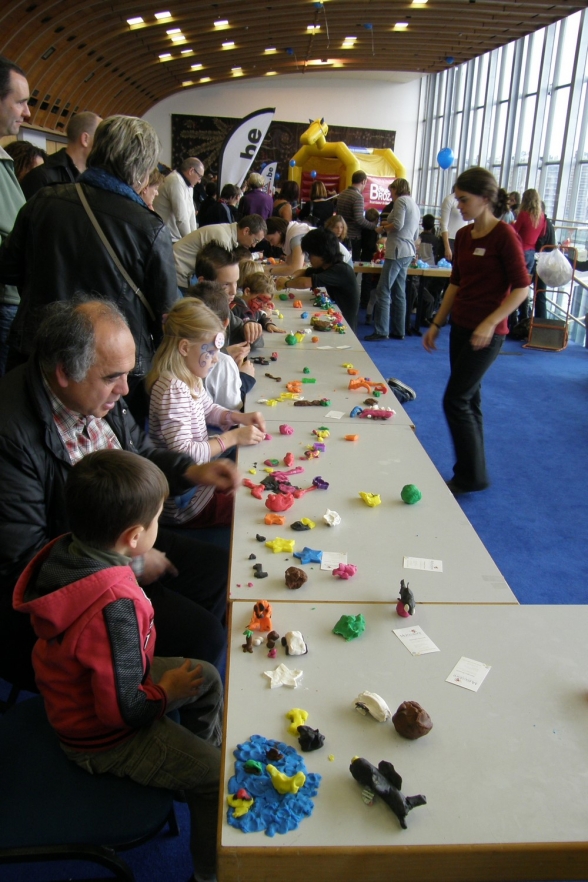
x: 292, y: 163
x: 277, y: 176
x: 313, y: 174
x: 445, y: 157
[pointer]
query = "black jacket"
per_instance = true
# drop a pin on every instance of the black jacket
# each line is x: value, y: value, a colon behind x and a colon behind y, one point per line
x: 34, y: 466
x: 58, y: 168
x: 54, y: 252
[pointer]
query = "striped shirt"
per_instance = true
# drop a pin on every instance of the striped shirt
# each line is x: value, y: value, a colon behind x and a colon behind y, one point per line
x: 178, y: 420
x: 351, y: 207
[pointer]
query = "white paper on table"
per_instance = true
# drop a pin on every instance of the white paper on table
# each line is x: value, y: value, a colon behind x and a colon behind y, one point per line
x: 344, y: 347
x: 335, y: 414
x: 332, y: 559
x: 324, y: 347
x: 423, y: 563
x: 415, y: 640
x: 469, y: 674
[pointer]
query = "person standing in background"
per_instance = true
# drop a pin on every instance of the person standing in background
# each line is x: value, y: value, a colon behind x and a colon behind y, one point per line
x: 14, y: 110
x: 65, y: 166
x: 531, y: 226
x: 451, y: 222
x: 175, y: 201
x: 351, y: 207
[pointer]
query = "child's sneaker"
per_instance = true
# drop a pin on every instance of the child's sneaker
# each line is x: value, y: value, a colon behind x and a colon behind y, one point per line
x: 408, y: 393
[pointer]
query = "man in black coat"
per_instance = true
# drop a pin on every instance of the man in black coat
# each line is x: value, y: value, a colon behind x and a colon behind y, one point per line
x: 65, y: 402
x: 66, y: 165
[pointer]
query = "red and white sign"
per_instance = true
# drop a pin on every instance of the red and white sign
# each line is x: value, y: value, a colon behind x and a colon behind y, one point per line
x: 376, y: 193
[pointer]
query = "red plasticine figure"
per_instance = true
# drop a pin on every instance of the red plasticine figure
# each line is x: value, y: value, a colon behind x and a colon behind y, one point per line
x: 279, y: 501
x: 256, y: 489
x: 261, y: 620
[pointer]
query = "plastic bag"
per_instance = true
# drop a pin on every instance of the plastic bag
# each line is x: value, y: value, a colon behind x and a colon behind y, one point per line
x: 553, y: 268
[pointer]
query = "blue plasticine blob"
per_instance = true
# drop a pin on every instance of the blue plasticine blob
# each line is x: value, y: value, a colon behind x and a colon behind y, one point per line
x: 271, y: 811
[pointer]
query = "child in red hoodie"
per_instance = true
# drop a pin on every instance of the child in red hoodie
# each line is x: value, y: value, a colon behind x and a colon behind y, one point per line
x: 105, y: 691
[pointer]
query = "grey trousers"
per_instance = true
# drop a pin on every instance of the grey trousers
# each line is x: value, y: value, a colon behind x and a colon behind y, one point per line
x: 187, y: 757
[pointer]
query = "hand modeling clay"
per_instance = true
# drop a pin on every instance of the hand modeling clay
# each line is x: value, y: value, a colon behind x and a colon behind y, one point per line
x: 373, y: 704
x: 412, y: 721
x: 295, y: 577
x: 278, y: 545
x: 386, y: 782
x: 345, y: 571
x: 283, y: 676
x: 294, y: 643
x: 261, y: 620
x: 332, y: 518
x: 371, y: 499
x: 405, y: 606
x: 298, y: 718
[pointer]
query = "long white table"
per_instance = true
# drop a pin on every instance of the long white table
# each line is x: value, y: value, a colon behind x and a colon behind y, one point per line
x: 376, y: 539
x: 504, y: 770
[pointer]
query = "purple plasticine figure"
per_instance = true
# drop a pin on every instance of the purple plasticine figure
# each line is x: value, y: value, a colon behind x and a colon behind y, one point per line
x: 386, y: 782
x: 405, y: 606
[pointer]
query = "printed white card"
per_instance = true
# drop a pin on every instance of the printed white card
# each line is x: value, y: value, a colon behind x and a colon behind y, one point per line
x: 469, y: 674
x: 415, y: 640
x: 332, y: 559
x: 423, y: 563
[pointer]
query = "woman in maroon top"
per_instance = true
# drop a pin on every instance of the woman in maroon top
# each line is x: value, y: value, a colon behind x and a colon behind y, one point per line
x: 488, y: 281
x: 530, y: 225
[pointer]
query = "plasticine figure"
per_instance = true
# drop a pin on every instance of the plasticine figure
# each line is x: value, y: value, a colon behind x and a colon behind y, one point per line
x: 261, y: 620
x: 386, y: 782
x: 247, y: 646
x: 310, y: 739
x: 405, y: 606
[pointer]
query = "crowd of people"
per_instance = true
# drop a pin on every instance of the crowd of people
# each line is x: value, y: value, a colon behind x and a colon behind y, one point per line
x: 130, y: 299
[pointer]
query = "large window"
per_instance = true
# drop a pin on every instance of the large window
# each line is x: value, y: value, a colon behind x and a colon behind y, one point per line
x: 520, y: 111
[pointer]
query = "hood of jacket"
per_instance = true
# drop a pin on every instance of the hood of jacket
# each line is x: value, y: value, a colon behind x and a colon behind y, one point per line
x: 57, y: 587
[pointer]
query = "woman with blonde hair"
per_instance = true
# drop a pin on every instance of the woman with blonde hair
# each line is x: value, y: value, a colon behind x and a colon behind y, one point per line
x: 181, y: 409
x: 530, y: 225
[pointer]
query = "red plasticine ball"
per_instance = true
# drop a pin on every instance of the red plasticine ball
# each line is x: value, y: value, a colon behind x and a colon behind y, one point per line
x: 279, y: 501
x: 314, y: 339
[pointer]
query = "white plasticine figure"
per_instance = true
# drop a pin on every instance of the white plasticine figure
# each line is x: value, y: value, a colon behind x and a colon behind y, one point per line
x: 373, y: 704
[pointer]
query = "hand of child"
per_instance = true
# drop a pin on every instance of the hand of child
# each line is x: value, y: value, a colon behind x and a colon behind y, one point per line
x: 253, y: 418
x: 252, y: 331
x: 221, y: 473
x: 239, y: 352
x: 248, y: 435
x: 273, y: 329
x: 182, y: 682
x: 247, y: 368
x: 156, y: 566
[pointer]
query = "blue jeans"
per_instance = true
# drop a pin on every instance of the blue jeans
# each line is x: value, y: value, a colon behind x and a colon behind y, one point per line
x: 173, y: 757
x: 462, y: 404
x: 392, y: 285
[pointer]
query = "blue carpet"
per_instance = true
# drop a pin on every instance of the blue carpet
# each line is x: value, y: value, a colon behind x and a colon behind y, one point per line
x: 534, y: 517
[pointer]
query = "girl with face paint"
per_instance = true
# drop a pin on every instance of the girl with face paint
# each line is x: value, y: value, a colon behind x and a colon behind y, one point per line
x: 181, y: 410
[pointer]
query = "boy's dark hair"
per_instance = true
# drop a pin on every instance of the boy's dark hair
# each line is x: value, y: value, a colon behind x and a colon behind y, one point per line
x: 372, y: 214
x: 212, y: 258
x: 229, y: 191
x: 109, y: 491
x: 322, y: 243
x: 211, y: 189
x: 212, y: 295
x: 242, y: 253
x: 428, y: 222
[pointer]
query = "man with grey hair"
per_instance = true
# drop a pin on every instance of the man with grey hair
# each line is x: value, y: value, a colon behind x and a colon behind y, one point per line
x: 67, y: 402
x: 55, y: 250
x: 66, y: 165
x: 14, y: 110
x: 175, y: 201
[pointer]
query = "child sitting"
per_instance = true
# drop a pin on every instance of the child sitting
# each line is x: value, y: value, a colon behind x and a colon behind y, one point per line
x: 181, y: 408
x: 429, y: 246
x: 233, y: 376
x: 105, y: 692
x: 256, y: 300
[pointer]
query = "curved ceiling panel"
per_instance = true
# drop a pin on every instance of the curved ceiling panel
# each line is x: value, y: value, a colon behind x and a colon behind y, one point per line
x: 87, y: 56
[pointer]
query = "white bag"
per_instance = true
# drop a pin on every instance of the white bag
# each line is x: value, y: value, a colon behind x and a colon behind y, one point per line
x: 553, y: 268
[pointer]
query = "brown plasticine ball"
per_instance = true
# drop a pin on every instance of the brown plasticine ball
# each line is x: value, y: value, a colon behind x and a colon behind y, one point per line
x: 411, y: 720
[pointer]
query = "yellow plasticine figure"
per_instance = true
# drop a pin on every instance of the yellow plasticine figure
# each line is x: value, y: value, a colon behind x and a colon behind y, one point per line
x: 252, y: 471
x: 347, y: 365
x: 271, y: 402
x: 282, y: 783
x: 371, y: 499
x: 240, y: 806
x: 298, y: 717
x: 278, y: 545
x: 308, y: 523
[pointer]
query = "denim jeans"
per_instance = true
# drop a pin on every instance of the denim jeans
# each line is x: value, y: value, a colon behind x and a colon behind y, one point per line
x: 187, y: 757
x: 462, y: 405
x: 392, y: 285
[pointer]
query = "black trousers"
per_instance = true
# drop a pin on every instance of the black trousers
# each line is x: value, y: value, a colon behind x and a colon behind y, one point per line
x: 190, y: 610
x: 462, y: 404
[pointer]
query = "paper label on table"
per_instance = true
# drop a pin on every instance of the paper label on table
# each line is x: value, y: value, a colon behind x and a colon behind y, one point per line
x: 332, y: 559
x: 347, y: 346
x: 415, y: 640
x: 324, y: 347
x: 336, y: 414
x: 423, y: 563
x: 469, y: 674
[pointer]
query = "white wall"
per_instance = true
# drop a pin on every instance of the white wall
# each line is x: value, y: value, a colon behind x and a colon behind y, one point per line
x: 363, y: 100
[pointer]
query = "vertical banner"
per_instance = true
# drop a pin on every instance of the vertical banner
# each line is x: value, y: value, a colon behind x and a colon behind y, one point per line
x: 241, y: 146
x: 269, y: 176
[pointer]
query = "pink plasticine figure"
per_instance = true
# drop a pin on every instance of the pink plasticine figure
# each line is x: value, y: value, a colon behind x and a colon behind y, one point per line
x: 285, y: 429
x: 345, y: 571
x: 289, y: 459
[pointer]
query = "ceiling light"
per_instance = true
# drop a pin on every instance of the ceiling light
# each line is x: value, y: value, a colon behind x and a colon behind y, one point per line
x: 322, y: 61
x: 271, y: 50
x: 229, y: 44
x: 313, y: 27
x: 350, y: 39
x: 204, y: 79
x: 188, y: 83
x: 237, y: 71
x: 271, y: 73
x: 178, y: 38
x: 165, y: 57
x: 173, y: 31
x: 222, y: 23
x: 135, y: 21
x: 196, y: 66
x: 418, y: 2
x: 347, y: 45
x: 401, y: 26
x: 186, y: 52
x: 160, y: 15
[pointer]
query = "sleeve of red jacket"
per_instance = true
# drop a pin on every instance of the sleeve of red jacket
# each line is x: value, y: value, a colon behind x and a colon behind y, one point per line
x: 112, y: 647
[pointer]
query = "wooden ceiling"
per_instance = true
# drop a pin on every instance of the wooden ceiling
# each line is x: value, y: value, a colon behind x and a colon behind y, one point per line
x: 83, y: 54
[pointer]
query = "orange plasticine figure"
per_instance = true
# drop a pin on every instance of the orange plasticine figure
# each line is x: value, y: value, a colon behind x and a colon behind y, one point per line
x: 261, y: 620
x: 361, y: 382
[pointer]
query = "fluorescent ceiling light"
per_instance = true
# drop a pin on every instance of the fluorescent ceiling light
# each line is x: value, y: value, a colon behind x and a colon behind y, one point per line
x: 165, y: 57
x: 313, y: 27
x: 271, y: 73
x: 178, y: 38
x: 160, y: 15
x: 418, y: 2
x: 401, y: 26
x: 186, y: 52
x: 204, y: 79
x: 196, y: 66
x: 134, y: 21
x: 270, y: 51
x: 222, y: 23
x: 188, y: 83
x: 173, y: 31
x: 229, y: 44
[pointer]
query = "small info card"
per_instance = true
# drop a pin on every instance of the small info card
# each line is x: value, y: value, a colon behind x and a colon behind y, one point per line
x: 469, y: 674
x: 415, y: 640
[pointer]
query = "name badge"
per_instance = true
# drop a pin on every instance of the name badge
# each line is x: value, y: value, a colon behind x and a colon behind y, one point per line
x: 479, y: 252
